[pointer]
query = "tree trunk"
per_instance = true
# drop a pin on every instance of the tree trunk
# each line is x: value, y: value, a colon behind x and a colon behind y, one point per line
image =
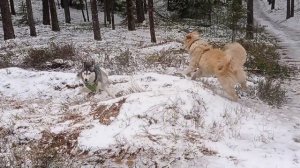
x: 67, y: 11
x: 12, y: 7
x: 87, y: 11
x: 292, y: 8
x: 145, y: 6
x: 140, y: 11
x: 8, y: 28
x: 82, y: 10
x: 96, y: 26
x: 130, y: 16
x: 108, y: 10
x: 273, y: 4
x: 30, y: 18
x: 54, y: 20
x: 112, y: 15
x: 288, y: 9
x: 105, y: 13
x: 46, y: 13
x: 249, y: 29
x: 151, y: 21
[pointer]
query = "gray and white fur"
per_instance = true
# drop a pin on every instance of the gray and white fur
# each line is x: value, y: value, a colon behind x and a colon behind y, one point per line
x: 92, y: 75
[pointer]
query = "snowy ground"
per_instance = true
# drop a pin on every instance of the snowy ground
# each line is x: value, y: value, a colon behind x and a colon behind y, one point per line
x: 158, y: 118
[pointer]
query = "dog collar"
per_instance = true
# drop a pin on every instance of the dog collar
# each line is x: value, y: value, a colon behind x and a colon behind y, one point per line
x: 91, y: 87
x: 189, y: 47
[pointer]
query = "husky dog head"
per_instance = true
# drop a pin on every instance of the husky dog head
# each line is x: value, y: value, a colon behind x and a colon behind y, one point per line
x: 88, y: 74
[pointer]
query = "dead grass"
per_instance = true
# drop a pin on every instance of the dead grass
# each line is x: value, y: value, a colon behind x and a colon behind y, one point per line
x: 166, y: 58
x: 53, y: 57
x: 106, y: 114
x: 52, y: 149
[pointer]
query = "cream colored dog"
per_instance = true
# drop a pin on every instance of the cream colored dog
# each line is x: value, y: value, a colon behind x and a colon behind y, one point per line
x: 226, y: 65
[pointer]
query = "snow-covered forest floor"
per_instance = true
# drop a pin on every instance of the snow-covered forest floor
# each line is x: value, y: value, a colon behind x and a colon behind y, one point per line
x: 159, y: 119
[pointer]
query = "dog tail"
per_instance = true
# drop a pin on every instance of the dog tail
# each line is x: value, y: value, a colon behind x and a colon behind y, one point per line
x: 236, y: 54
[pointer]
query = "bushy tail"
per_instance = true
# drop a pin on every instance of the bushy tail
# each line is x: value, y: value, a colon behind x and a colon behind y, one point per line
x: 236, y: 54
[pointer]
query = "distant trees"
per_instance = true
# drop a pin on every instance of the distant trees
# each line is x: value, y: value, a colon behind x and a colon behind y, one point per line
x: 135, y: 11
x: 30, y: 18
x: 6, y: 20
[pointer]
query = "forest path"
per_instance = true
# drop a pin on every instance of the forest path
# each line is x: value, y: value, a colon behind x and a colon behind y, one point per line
x: 289, y: 40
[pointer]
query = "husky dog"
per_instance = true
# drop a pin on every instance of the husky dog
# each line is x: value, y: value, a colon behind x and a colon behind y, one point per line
x: 94, y: 78
x: 226, y: 64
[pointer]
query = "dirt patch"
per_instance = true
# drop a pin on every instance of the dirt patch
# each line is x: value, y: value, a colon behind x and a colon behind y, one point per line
x: 106, y: 113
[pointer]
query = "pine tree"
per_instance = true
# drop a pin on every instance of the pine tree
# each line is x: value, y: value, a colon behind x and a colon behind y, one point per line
x: 151, y: 21
x: 292, y: 8
x: 67, y: 11
x: 30, y: 18
x: 12, y: 7
x: 130, y: 16
x: 249, y: 29
x: 54, y: 20
x: 273, y: 4
x: 288, y: 9
x: 140, y: 11
x: 8, y: 28
x: 96, y: 26
x: 112, y: 14
x: 46, y: 13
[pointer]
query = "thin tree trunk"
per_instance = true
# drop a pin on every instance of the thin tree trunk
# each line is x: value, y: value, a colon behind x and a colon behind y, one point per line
x: 273, y: 4
x: 67, y: 11
x: 30, y: 18
x: 130, y: 16
x: 12, y: 7
x: 82, y: 10
x: 96, y: 26
x: 46, y: 13
x: 249, y: 29
x: 288, y: 9
x: 112, y: 14
x: 108, y: 11
x: 87, y: 11
x: 8, y: 28
x: 54, y: 20
x: 151, y: 21
x: 140, y: 11
x: 105, y: 12
x: 145, y: 6
x: 292, y: 8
